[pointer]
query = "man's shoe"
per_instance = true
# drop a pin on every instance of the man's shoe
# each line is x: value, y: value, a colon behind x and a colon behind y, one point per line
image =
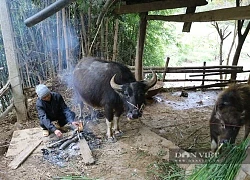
x: 45, y: 133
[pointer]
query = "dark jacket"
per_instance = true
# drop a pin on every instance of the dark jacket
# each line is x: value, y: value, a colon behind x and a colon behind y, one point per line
x: 54, y: 110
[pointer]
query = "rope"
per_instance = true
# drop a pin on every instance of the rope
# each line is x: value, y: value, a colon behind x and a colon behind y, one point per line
x: 136, y: 107
x: 227, y: 124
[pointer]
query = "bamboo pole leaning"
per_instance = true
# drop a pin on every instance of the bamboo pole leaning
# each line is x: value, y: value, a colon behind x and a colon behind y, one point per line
x: 3, y: 91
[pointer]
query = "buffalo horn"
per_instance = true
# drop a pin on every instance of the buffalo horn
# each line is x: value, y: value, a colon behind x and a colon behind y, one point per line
x: 150, y: 83
x: 114, y: 85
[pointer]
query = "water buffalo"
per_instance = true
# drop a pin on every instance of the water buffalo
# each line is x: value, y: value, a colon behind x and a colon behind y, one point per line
x: 112, y: 86
x: 230, y: 113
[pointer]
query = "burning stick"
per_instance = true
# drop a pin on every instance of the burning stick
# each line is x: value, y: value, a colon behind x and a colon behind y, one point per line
x: 68, y: 142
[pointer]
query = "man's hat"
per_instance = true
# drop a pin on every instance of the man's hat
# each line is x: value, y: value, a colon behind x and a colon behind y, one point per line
x: 42, y: 90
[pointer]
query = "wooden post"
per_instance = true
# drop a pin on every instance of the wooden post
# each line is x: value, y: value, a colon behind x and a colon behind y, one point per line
x: 187, y: 25
x: 204, y: 72
x: 140, y: 46
x: 12, y: 62
x: 165, y: 70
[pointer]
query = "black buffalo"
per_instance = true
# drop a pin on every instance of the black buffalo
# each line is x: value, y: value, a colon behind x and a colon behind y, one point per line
x: 230, y: 113
x: 112, y: 86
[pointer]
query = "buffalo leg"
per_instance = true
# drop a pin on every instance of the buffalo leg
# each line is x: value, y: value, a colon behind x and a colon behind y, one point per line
x: 110, y: 136
x: 109, y: 121
x: 109, y: 129
x: 116, y: 127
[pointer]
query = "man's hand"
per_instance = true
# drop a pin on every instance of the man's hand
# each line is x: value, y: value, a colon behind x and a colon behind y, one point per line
x: 76, y: 124
x: 58, y: 133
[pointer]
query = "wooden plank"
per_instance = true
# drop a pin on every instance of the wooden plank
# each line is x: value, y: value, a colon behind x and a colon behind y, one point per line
x: 187, y: 25
x: 21, y: 139
x: 158, y: 5
x: 24, y: 154
x: 86, y: 152
x: 234, y: 13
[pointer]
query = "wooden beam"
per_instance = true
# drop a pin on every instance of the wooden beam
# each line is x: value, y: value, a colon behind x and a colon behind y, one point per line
x: 235, y: 13
x: 187, y: 25
x: 158, y: 5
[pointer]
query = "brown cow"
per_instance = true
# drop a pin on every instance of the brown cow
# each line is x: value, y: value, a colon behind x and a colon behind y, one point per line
x: 230, y: 113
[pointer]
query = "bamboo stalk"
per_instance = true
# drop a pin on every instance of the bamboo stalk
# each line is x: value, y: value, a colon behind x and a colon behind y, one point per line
x: 212, y: 74
x: 191, y: 67
x: 208, y: 80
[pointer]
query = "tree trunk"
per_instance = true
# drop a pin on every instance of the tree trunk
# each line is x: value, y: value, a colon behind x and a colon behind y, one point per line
x: 12, y: 62
x: 106, y: 38
x: 102, y: 40
x: 221, y: 60
x: 84, y: 36
x: 89, y: 30
x: 58, y: 30
x: 241, y: 40
x: 65, y: 35
x: 115, y: 40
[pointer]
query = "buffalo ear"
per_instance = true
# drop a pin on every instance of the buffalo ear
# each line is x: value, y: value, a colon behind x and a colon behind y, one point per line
x: 217, y: 113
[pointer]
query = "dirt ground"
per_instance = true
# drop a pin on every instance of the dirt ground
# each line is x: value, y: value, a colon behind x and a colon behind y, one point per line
x: 181, y: 120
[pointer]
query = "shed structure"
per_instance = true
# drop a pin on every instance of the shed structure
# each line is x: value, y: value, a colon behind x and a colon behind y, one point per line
x: 144, y: 6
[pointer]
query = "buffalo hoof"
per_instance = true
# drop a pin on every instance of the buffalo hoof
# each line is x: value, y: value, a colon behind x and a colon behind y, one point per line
x: 118, y: 133
x: 111, y: 140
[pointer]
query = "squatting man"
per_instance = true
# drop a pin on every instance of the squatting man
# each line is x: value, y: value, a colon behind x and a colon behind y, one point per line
x: 52, y: 107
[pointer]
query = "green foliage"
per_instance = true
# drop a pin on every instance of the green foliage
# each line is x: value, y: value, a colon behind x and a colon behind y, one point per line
x: 224, y: 165
x: 165, y: 170
x: 159, y: 36
x: 128, y: 31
